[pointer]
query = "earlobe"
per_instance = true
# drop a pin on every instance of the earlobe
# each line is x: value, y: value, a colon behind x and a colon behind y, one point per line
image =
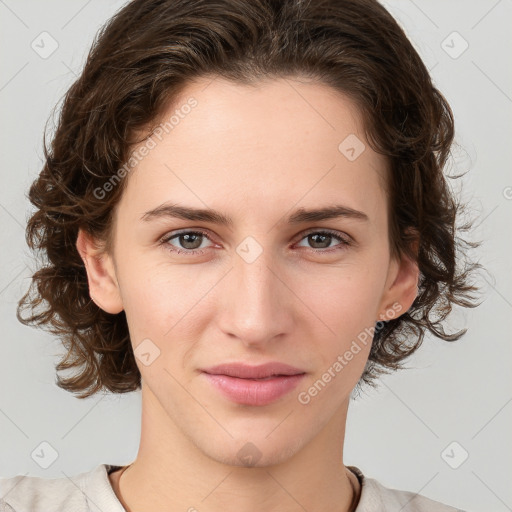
x: 101, y: 276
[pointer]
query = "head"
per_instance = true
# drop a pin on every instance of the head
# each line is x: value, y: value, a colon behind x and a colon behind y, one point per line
x: 260, y: 111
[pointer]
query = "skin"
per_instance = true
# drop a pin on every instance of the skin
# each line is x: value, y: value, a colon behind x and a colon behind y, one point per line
x: 255, y: 154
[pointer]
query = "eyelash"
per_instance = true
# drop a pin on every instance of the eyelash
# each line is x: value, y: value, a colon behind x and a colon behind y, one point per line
x: 345, y: 242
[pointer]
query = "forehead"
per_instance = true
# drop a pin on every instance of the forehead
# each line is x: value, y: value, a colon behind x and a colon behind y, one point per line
x: 275, y: 144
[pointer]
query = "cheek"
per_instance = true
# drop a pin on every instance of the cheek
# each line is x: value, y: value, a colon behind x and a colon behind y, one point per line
x: 345, y: 307
x: 161, y: 300
x: 345, y: 298
x: 166, y: 301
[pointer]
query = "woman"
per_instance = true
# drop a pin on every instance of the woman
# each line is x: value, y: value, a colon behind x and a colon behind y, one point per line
x: 245, y: 216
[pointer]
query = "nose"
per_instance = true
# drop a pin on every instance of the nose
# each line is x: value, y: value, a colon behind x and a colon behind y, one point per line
x: 257, y: 304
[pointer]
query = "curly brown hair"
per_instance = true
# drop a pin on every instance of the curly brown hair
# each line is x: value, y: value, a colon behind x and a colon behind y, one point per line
x: 142, y: 58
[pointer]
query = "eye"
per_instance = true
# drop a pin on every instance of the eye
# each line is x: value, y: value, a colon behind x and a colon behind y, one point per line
x: 322, y: 240
x: 191, y: 241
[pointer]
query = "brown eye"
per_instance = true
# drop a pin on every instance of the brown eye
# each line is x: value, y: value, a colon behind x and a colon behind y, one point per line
x: 319, y: 240
x: 188, y: 242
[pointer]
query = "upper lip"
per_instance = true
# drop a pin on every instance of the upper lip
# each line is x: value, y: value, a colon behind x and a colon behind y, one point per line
x: 244, y: 371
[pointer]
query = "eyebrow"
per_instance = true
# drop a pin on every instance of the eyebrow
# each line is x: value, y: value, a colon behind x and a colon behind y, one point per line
x: 301, y: 215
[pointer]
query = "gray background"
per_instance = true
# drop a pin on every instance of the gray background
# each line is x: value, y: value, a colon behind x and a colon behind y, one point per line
x: 400, y: 434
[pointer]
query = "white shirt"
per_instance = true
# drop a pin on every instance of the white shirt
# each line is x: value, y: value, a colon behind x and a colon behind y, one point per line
x: 92, y: 492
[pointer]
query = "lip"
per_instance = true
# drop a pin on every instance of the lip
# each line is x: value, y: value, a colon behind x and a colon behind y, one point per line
x: 245, y: 371
x: 244, y: 384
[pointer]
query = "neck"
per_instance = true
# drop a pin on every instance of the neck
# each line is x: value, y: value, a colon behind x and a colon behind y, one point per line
x: 173, y: 473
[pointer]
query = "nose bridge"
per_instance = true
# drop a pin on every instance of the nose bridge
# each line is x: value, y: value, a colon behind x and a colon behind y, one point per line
x: 254, y: 305
x: 257, y: 278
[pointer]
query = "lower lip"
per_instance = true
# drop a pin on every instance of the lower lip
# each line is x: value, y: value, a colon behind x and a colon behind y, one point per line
x: 254, y: 392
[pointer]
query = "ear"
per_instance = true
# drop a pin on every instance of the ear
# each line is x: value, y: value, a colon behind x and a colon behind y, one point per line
x: 101, y: 276
x: 401, y: 286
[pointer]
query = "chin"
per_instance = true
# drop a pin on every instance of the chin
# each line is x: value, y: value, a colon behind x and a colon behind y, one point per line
x: 247, y: 452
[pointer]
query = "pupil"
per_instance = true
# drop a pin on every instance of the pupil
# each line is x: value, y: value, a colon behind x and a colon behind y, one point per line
x: 323, y: 237
x: 188, y: 240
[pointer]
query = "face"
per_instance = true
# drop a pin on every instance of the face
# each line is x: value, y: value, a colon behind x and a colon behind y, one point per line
x: 270, y: 285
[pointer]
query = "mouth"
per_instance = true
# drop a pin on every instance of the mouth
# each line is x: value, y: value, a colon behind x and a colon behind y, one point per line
x: 262, y: 371
x: 254, y: 385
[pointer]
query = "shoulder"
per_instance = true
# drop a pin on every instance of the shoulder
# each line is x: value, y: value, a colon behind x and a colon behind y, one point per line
x: 376, y: 497
x: 22, y: 493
